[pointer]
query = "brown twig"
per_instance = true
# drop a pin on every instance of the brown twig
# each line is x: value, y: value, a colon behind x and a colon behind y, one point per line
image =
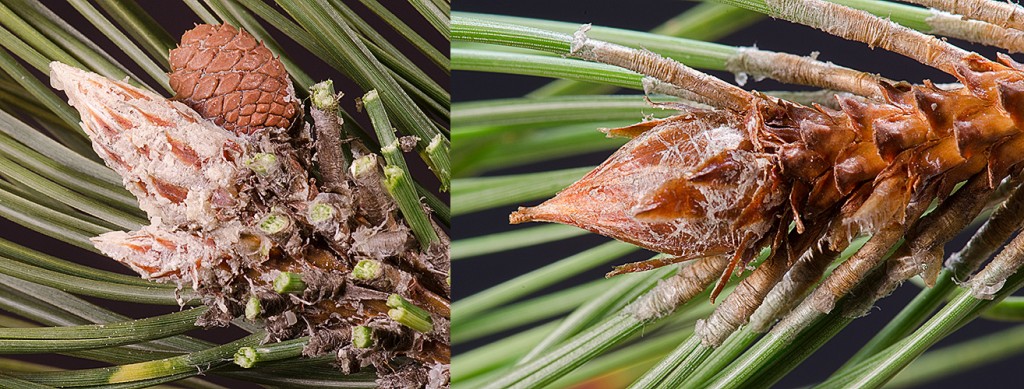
x: 795, y: 69
x: 863, y: 27
x: 1003, y: 14
x: 955, y: 26
x: 709, y: 89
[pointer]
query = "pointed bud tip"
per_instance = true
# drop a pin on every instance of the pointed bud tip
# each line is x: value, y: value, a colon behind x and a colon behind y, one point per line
x: 63, y: 77
x: 108, y: 240
x: 522, y: 215
x: 618, y: 270
x: 540, y: 213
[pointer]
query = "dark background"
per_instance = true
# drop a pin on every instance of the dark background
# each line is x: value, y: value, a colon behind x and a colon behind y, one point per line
x: 177, y: 18
x: 478, y: 273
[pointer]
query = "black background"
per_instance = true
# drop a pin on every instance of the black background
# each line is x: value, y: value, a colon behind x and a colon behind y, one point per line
x: 177, y: 18
x: 478, y: 273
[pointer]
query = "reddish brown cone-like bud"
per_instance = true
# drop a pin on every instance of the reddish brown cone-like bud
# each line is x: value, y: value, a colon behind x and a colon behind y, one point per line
x: 689, y: 186
x: 229, y: 77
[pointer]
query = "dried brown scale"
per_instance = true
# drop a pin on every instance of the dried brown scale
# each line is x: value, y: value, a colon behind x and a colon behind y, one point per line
x: 874, y: 285
x: 407, y: 376
x: 326, y: 341
x: 372, y: 198
x: 227, y: 223
x: 388, y: 339
x: 602, y: 210
x: 997, y: 229
x: 283, y: 326
x: 372, y: 298
x: 217, y: 317
x: 391, y: 337
x: 751, y: 292
x: 348, y: 360
x: 797, y: 282
x: 845, y: 277
x: 685, y: 285
x: 324, y: 259
x: 675, y: 213
x: 431, y: 275
x: 322, y: 285
x: 329, y: 149
x: 271, y: 302
x: 227, y: 76
x: 928, y: 236
x: 436, y: 257
x: 744, y: 299
x: 433, y: 349
x: 991, y: 279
